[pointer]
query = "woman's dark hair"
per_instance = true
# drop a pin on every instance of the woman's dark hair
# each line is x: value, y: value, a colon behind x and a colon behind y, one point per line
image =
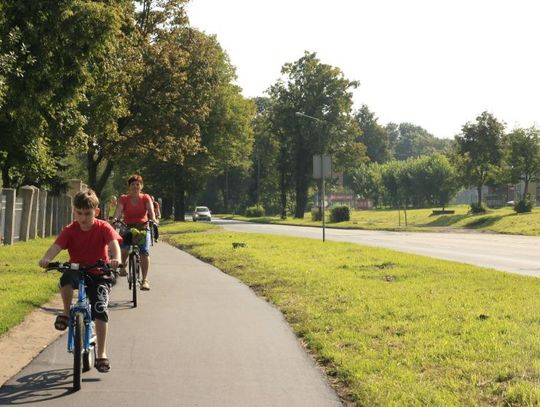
x: 135, y: 177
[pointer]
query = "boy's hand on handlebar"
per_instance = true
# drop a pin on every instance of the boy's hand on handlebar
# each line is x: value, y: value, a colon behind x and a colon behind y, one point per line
x: 44, y: 262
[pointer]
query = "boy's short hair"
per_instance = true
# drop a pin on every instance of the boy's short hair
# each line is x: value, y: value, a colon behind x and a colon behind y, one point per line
x: 135, y: 177
x: 86, y: 200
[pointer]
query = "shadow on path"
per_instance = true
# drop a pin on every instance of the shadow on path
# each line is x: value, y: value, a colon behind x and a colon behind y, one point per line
x: 37, y: 387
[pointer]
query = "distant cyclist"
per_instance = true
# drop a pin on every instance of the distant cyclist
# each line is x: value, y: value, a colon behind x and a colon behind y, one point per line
x: 157, y: 211
x: 136, y: 209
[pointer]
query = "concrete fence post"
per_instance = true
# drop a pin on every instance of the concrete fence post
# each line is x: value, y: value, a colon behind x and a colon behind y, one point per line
x: 49, y: 216
x: 69, y: 211
x: 54, y: 210
x: 33, y: 229
x: 41, y: 213
x: 9, y: 227
x: 74, y: 186
x: 27, y: 194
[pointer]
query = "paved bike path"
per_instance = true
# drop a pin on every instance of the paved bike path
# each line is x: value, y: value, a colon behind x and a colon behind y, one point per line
x: 198, y: 338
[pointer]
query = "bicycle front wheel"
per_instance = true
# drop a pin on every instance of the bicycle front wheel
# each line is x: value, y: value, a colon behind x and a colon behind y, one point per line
x: 133, y: 265
x: 78, y: 331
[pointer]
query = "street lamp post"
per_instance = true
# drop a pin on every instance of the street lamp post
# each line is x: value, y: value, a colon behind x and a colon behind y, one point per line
x: 322, y: 192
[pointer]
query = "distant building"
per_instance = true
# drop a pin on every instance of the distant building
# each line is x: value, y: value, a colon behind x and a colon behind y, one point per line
x: 497, y: 196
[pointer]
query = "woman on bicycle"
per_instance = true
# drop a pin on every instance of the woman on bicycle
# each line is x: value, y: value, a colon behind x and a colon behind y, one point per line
x: 137, y: 208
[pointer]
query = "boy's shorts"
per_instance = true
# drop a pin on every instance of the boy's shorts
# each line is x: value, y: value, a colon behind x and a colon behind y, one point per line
x: 98, y: 289
x: 144, y: 248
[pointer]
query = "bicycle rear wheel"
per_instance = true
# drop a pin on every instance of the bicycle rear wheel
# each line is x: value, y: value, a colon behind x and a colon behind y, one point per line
x: 133, y: 265
x: 77, y: 351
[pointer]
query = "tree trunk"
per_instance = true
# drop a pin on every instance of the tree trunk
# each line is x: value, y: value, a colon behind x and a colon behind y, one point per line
x: 166, y: 207
x: 301, y: 201
x: 91, y: 167
x: 479, y: 196
x: 405, y: 213
x: 525, y: 189
x: 302, y: 179
x: 180, y: 205
x: 104, y: 177
x: 226, y: 191
x: 283, y: 188
x: 6, y: 179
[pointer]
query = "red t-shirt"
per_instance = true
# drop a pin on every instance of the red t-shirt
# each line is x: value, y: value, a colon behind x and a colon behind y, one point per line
x: 87, y: 247
x: 135, y: 213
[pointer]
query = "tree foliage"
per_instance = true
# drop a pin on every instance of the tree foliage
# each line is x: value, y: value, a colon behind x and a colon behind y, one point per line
x: 48, y: 45
x: 374, y: 136
x: 408, y: 141
x: 479, y: 150
x: 522, y: 156
x: 418, y: 182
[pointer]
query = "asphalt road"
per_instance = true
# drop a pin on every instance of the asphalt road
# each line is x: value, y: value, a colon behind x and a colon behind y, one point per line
x: 515, y: 254
x: 198, y: 338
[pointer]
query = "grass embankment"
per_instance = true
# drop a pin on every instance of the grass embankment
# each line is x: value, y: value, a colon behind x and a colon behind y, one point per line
x: 394, y: 328
x: 23, y: 284
x: 503, y: 220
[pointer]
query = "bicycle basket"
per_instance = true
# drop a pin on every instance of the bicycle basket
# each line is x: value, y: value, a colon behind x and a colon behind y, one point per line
x: 135, y: 237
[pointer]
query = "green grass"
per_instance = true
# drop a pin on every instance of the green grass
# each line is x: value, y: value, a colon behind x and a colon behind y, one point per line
x: 394, y: 328
x: 184, y: 227
x: 503, y: 220
x: 23, y: 284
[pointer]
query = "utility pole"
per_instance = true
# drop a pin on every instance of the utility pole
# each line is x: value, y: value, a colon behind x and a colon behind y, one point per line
x: 321, y: 189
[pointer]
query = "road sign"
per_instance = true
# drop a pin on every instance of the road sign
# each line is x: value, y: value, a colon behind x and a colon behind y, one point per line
x: 326, y: 164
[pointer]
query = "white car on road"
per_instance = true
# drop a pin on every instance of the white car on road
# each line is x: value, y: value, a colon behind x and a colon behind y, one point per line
x: 202, y: 213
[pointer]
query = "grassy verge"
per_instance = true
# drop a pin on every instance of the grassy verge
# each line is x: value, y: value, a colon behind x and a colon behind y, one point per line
x: 394, y: 328
x: 23, y: 285
x: 503, y: 220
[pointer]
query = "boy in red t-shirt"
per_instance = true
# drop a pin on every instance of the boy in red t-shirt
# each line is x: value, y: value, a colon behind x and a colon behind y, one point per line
x: 87, y: 240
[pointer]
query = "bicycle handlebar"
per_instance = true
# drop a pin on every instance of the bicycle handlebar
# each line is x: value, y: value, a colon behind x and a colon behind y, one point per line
x: 63, y: 267
x: 121, y: 222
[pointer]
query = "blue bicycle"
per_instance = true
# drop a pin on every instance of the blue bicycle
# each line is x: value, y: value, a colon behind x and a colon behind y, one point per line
x: 81, y: 336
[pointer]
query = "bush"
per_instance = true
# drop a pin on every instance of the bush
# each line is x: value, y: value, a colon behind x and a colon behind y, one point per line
x: 475, y: 208
x: 316, y: 214
x: 524, y: 205
x: 254, y: 211
x: 340, y: 214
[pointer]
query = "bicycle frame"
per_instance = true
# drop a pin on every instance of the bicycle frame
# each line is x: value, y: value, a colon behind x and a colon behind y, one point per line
x: 82, y: 306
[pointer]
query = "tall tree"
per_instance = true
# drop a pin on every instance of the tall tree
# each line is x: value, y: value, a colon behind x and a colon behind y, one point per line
x: 321, y: 92
x: 374, y: 136
x: 479, y: 149
x: 264, y: 188
x: 522, y: 156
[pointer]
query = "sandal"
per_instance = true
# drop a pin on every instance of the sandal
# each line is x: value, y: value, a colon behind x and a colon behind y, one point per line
x: 61, y: 322
x: 103, y: 365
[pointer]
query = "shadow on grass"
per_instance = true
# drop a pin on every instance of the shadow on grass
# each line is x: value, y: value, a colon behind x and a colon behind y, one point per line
x: 484, y: 221
x: 446, y: 220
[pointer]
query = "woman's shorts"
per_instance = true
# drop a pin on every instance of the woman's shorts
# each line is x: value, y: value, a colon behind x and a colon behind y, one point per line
x: 98, y: 290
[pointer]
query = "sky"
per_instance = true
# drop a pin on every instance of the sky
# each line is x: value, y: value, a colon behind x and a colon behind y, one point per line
x: 435, y: 63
